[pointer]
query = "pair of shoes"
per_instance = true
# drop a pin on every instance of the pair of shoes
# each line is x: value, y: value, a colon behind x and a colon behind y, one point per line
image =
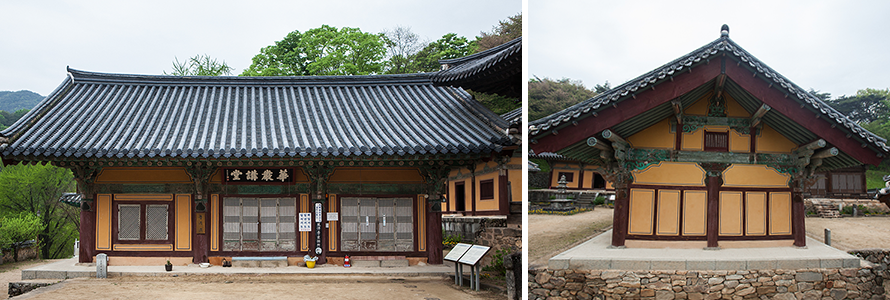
x: 226, y: 263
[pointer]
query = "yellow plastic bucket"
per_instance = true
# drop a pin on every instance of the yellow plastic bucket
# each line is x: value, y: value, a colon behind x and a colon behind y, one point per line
x: 310, y: 264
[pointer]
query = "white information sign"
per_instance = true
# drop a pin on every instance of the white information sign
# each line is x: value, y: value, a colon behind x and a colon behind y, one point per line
x: 473, y: 255
x: 457, y: 252
x: 333, y: 216
x: 318, y: 211
x: 305, y: 222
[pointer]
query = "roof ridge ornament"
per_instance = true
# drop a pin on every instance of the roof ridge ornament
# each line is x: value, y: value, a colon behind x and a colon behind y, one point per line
x: 724, y: 30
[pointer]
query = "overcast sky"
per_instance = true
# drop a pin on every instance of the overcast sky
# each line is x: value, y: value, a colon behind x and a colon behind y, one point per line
x: 38, y: 39
x: 831, y: 46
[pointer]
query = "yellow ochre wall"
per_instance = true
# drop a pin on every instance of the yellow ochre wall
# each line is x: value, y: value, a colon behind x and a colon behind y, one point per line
x: 489, y: 204
x: 739, y: 175
x: 770, y: 141
x: 671, y: 173
x: 700, y: 107
x: 143, y: 175
x: 658, y: 136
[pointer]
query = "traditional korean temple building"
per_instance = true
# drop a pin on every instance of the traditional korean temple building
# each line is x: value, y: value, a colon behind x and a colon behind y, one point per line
x: 713, y: 149
x: 196, y: 169
x: 488, y: 187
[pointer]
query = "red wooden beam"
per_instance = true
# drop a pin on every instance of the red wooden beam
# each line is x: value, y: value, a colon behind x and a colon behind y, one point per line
x: 646, y: 99
x: 775, y: 98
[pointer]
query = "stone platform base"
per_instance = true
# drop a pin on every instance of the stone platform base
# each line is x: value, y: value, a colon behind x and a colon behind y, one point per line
x: 596, y: 254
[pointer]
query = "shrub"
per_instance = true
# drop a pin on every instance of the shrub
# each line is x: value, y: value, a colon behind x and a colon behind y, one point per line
x: 600, y: 200
x: 497, y: 262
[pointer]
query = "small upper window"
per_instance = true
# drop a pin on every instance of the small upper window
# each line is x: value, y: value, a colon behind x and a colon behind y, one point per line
x: 717, y: 141
x: 486, y: 189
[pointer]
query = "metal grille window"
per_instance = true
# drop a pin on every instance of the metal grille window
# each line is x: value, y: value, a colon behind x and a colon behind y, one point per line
x: 156, y: 222
x: 143, y: 222
x: 717, y: 141
x: 129, y: 225
x: 259, y: 224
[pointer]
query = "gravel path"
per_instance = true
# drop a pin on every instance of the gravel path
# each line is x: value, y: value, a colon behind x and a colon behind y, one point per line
x: 548, y: 235
x: 852, y: 233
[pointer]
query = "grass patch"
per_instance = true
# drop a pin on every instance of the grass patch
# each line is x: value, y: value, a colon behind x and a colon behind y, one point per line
x: 874, y: 179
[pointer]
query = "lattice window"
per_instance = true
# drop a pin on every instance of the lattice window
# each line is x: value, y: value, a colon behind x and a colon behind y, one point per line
x: 717, y: 141
x: 259, y: 224
x: 377, y: 224
x: 128, y: 222
x: 156, y: 222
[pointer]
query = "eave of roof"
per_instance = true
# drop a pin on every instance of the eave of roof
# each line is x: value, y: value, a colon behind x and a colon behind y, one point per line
x: 546, y: 126
x: 497, y: 70
x: 123, y: 115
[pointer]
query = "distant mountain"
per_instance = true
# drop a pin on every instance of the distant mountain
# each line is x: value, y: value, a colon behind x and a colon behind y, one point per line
x: 13, y: 101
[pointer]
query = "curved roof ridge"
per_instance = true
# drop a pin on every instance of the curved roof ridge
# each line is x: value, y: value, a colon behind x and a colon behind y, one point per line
x: 89, y: 76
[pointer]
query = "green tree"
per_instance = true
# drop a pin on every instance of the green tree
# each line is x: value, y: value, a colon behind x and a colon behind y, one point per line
x: 496, y: 103
x: 401, y: 46
x: 547, y: 96
x: 447, y: 47
x: 868, y: 105
x: 200, y: 65
x: 321, y: 51
x: 35, y: 189
x: 7, y: 118
x: 13, y: 101
x: 15, y: 230
x: 505, y: 31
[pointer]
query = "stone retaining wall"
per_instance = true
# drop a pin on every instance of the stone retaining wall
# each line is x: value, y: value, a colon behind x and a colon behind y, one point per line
x: 861, y: 283
x: 469, y: 227
x: 499, y: 238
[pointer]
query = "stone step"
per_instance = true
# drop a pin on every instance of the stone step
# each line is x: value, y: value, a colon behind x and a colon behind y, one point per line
x: 379, y: 261
x: 259, y: 262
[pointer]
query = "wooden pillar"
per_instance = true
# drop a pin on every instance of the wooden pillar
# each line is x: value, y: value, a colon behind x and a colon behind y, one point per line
x: 503, y: 194
x: 87, y: 236
x: 620, y: 214
x: 714, y: 173
x: 473, y: 190
x: 581, y: 178
x: 798, y: 224
x: 318, y: 174
x: 713, y: 185
x: 434, y: 235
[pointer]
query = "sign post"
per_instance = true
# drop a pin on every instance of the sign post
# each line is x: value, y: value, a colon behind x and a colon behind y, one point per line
x: 471, y: 258
x: 454, y: 255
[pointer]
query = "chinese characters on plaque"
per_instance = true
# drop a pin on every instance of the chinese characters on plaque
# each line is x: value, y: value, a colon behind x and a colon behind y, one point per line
x: 259, y: 175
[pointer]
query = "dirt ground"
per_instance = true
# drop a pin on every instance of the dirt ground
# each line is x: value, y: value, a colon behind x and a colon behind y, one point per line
x: 258, y: 287
x: 13, y: 272
x: 548, y: 235
x: 852, y: 233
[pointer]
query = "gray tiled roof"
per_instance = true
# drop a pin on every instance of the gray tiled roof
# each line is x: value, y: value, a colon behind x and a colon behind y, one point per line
x: 513, y: 116
x: 118, y: 115
x: 72, y: 199
x: 497, y: 70
x: 723, y: 44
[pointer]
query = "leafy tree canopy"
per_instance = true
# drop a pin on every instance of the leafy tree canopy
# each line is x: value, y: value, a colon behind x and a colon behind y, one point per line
x: 547, y: 96
x: 427, y: 59
x: 505, y: 31
x: 7, y: 118
x: 17, y: 229
x: 321, y: 51
x: 200, y: 65
x: 868, y: 105
x: 35, y: 190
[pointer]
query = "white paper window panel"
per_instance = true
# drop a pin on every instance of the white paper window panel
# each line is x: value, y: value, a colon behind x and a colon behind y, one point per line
x: 128, y: 222
x: 156, y: 222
